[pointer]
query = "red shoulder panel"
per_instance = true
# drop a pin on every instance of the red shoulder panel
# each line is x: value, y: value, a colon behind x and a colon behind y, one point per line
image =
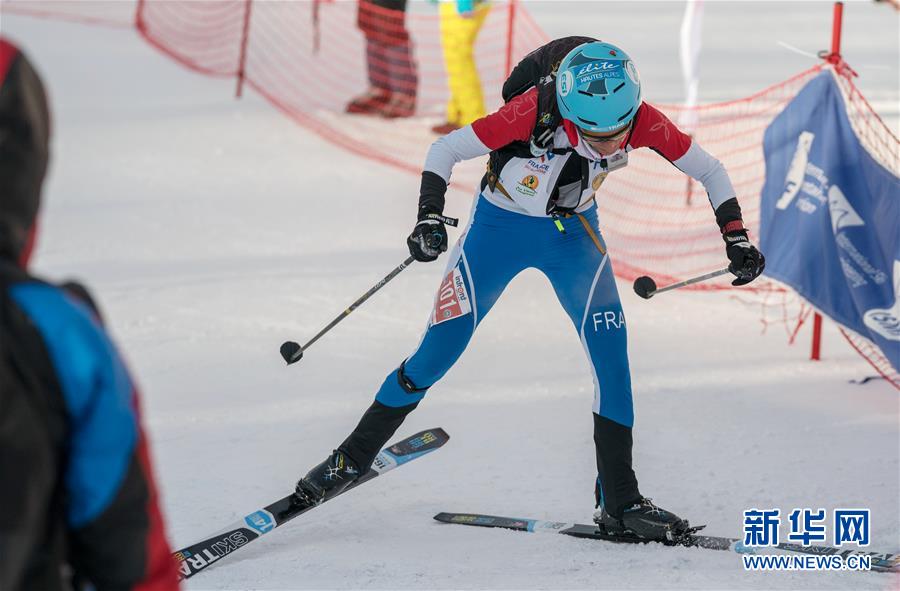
x: 513, y: 122
x: 655, y: 130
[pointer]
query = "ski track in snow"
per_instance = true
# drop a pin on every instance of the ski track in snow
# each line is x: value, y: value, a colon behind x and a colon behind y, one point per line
x: 212, y: 230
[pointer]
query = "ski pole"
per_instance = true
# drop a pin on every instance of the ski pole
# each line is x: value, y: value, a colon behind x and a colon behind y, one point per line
x: 293, y: 352
x: 646, y: 287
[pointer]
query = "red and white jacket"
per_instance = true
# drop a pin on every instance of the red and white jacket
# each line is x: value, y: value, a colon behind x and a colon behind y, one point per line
x: 526, y: 185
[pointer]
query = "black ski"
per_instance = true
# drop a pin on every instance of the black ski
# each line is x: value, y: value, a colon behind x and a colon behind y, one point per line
x: 197, y: 557
x: 880, y: 561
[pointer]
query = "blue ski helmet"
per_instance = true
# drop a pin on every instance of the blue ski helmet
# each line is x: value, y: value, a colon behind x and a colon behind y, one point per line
x: 598, y: 87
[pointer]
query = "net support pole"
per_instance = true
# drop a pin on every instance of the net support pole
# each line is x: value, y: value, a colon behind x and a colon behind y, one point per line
x: 836, y: 25
x: 245, y: 37
x: 834, y: 57
x: 816, y: 353
x: 510, y: 21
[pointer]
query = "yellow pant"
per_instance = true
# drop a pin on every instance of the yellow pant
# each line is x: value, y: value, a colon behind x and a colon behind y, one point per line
x: 458, y: 39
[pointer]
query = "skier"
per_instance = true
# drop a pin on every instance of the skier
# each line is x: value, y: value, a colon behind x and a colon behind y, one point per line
x: 78, y: 506
x: 550, y: 148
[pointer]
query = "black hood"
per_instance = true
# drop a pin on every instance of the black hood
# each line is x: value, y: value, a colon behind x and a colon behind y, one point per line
x: 24, y: 139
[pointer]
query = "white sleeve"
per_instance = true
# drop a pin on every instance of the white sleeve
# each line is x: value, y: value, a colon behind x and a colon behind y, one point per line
x: 454, y: 147
x: 700, y: 165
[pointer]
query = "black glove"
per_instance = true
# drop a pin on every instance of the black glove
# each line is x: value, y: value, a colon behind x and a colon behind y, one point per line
x: 428, y: 239
x: 747, y: 263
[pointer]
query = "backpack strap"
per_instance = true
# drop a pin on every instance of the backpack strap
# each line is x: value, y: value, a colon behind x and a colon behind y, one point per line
x: 538, y: 69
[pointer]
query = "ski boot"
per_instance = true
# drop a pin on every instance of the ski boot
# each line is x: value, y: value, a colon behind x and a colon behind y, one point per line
x: 326, y: 480
x: 644, y: 520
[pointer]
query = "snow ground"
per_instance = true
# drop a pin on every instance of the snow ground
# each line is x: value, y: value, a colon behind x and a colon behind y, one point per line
x: 212, y: 230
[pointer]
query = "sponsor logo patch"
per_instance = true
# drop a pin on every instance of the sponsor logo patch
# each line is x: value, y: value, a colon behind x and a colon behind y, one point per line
x: 425, y: 439
x: 564, y: 83
x: 453, y: 298
x: 593, y: 67
x: 538, y: 167
x: 632, y: 72
x: 262, y: 521
x: 528, y: 185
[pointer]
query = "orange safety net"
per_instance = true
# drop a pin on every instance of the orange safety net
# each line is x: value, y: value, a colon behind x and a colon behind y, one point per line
x: 312, y: 59
x: 868, y: 351
x: 92, y: 12
x: 659, y: 222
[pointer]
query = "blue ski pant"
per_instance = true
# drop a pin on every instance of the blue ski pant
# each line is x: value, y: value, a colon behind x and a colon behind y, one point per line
x: 498, y: 245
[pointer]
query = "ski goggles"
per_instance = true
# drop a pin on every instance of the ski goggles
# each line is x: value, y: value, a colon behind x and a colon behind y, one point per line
x: 606, y: 139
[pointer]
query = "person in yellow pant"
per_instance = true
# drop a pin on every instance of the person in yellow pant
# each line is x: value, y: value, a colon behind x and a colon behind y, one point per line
x: 460, y: 22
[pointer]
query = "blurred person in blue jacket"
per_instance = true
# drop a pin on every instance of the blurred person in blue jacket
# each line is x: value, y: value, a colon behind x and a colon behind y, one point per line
x: 78, y: 505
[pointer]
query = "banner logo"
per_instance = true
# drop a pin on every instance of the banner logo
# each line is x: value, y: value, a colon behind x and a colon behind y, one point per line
x: 842, y: 213
x: 886, y: 322
x: 632, y: 72
x: 797, y: 170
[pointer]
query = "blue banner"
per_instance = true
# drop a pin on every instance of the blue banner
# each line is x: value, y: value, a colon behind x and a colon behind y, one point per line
x: 830, y: 217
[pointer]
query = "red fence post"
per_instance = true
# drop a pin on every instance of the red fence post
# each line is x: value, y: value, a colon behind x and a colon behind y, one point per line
x: 511, y: 18
x: 836, y: 29
x: 835, y: 58
x: 245, y: 36
x: 816, y: 353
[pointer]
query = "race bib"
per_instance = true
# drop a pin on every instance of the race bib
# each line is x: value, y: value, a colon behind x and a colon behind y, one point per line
x: 452, y: 299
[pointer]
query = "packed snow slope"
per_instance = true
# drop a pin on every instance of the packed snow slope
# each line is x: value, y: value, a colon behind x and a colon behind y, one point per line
x: 211, y: 230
